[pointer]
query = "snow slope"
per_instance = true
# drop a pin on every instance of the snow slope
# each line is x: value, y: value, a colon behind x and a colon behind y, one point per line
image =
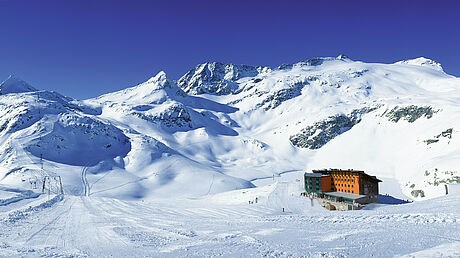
x: 223, y: 126
x: 206, y: 165
x: 81, y: 226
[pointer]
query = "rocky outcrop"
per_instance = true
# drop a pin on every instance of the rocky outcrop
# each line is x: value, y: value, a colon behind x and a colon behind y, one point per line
x: 216, y: 78
x: 447, y: 134
x: 176, y: 115
x: 321, y: 132
x: 273, y: 100
x: 409, y: 113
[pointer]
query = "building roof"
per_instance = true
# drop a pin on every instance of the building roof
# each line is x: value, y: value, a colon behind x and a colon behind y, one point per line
x: 314, y: 175
x: 330, y: 170
x: 349, y: 196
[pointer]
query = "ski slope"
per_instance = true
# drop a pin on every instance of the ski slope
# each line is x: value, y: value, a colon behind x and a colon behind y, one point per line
x: 80, y: 226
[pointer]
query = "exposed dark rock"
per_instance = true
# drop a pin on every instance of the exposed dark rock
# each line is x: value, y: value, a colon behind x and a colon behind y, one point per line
x: 417, y: 193
x: 445, y: 134
x: 275, y: 99
x: 409, y: 113
x: 216, y: 78
x: 175, y: 115
x: 320, y: 133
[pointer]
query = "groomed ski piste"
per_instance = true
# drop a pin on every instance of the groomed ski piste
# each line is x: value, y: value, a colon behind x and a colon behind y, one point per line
x: 226, y: 225
x: 212, y: 164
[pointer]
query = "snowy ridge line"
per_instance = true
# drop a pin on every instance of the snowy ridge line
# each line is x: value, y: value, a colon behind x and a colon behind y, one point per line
x: 23, y: 214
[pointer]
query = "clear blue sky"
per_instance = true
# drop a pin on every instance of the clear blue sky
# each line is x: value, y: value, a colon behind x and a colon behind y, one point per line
x: 85, y: 48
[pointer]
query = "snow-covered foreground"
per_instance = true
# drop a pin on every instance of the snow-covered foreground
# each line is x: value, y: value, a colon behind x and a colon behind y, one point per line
x: 212, y: 226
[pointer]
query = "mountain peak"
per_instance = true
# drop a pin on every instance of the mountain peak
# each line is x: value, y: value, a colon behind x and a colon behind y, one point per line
x: 216, y: 78
x: 316, y: 61
x: 161, y: 76
x: 422, y: 61
x: 15, y: 85
x: 343, y: 57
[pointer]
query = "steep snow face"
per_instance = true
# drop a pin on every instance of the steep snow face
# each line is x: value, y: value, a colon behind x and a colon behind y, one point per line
x: 48, y: 128
x: 217, y: 78
x: 77, y: 140
x: 161, y: 104
x: 157, y: 100
x: 156, y: 90
x: 22, y: 110
x: 15, y: 85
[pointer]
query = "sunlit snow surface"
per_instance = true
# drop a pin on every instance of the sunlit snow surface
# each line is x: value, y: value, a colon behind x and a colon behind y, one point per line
x: 78, y: 226
x: 170, y: 169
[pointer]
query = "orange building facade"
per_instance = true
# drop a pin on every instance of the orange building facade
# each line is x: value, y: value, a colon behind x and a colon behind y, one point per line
x: 356, y: 183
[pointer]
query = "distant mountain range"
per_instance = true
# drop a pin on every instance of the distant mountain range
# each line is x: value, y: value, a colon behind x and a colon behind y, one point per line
x: 221, y: 126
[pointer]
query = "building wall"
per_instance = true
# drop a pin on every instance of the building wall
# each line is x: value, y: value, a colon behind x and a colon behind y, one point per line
x: 313, y: 184
x: 368, y: 186
x: 327, y: 184
x: 347, y: 182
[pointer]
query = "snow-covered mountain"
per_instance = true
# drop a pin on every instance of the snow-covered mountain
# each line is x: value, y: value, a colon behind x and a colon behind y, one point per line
x: 223, y: 126
x: 217, y: 78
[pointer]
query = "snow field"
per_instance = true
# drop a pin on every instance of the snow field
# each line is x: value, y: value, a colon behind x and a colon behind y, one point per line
x: 212, y: 226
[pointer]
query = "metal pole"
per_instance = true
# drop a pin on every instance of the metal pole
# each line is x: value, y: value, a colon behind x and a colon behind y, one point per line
x: 44, y: 181
x: 60, y: 183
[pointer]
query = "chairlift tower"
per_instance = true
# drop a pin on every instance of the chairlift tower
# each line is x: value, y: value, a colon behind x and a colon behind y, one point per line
x: 52, y: 184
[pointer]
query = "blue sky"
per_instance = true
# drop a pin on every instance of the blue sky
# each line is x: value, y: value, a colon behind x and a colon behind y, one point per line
x: 86, y: 48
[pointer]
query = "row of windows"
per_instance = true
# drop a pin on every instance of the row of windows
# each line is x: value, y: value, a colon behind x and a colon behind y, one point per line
x: 338, y: 176
x: 344, y: 190
x: 344, y: 185
x: 344, y: 180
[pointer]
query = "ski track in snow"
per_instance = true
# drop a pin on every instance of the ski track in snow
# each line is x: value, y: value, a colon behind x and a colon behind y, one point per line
x: 95, y: 226
x: 84, y: 182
